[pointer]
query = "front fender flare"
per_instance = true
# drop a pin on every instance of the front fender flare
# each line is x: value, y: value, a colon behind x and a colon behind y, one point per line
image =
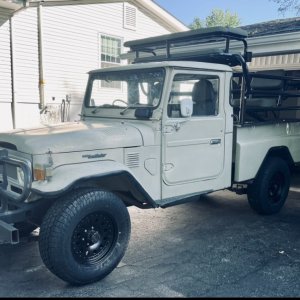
x: 108, y: 175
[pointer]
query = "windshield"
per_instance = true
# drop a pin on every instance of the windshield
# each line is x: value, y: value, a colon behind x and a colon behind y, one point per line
x: 125, y: 89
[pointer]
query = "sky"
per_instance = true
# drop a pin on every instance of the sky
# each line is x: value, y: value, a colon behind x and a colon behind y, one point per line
x: 249, y: 11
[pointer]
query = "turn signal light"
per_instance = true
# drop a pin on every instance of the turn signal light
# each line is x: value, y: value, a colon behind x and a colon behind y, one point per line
x: 39, y: 172
x: 42, y: 172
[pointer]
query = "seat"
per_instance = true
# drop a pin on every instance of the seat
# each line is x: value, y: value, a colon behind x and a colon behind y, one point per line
x: 156, y: 91
x: 204, y: 98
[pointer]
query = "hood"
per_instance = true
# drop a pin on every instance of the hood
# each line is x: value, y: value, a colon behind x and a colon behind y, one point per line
x: 72, y: 137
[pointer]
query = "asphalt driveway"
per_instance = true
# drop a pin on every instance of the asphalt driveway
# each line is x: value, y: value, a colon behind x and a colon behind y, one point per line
x: 215, y: 246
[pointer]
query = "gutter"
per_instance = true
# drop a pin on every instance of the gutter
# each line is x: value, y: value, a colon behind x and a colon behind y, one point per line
x: 40, y: 54
x: 13, y: 99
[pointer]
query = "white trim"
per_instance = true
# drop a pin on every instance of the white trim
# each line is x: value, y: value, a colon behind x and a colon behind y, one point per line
x: 174, y: 24
x: 9, y: 5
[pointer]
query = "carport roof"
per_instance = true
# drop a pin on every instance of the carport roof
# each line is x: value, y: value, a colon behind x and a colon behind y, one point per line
x: 9, y: 7
x: 279, y: 26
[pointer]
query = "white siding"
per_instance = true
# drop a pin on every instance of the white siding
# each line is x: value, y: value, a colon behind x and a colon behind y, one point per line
x: 26, y: 68
x: 285, y: 61
x: 5, y: 78
x: 71, y: 45
x: 25, y: 55
x: 5, y: 116
x: 70, y: 50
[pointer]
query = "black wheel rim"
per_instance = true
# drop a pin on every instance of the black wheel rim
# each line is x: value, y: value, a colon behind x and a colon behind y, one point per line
x: 276, y: 188
x: 94, y: 238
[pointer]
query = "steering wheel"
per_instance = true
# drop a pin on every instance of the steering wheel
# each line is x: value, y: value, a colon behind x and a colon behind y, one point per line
x: 119, y: 100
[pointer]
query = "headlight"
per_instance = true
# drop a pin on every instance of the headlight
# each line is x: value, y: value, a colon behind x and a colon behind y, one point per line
x: 21, y: 176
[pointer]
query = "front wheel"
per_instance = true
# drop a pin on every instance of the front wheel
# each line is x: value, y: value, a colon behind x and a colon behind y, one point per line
x: 85, y: 236
x: 270, y: 189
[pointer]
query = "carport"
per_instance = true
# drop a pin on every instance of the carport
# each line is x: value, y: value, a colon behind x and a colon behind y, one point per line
x: 25, y: 79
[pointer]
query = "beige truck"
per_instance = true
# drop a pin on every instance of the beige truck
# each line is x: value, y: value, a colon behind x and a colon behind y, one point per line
x: 171, y: 125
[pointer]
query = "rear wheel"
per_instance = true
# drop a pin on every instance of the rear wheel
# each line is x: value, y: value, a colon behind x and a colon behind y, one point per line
x: 84, y: 237
x: 270, y: 189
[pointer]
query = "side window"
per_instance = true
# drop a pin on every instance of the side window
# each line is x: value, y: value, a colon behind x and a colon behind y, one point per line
x: 203, y: 90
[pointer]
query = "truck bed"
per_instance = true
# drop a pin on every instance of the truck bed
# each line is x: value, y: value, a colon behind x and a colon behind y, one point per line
x: 253, y: 143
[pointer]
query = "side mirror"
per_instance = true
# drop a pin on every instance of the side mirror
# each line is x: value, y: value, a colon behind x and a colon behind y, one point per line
x: 186, y: 107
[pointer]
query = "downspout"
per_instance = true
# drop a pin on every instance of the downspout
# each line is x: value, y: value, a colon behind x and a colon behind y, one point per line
x: 13, y: 99
x: 40, y: 53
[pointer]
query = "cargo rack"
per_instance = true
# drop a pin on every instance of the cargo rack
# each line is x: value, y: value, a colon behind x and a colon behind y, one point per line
x: 165, y: 47
x: 213, y: 45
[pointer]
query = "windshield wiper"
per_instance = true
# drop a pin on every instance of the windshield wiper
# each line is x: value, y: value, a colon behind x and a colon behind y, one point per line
x: 128, y: 107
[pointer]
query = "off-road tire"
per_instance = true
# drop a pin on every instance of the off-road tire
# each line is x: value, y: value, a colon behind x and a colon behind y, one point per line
x: 268, y: 193
x: 84, y: 236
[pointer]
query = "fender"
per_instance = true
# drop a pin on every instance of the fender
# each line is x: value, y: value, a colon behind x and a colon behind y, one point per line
x: 282, y: 152
x: 107, y: 175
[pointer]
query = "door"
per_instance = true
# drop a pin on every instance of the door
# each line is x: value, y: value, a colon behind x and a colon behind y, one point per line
x: 193, y: 147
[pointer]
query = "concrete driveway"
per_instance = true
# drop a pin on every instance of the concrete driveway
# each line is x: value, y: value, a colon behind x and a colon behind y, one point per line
x: 216, y: 246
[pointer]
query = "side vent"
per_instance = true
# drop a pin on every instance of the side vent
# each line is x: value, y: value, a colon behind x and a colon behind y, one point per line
x: 130, y: 16
x: 133, y: 160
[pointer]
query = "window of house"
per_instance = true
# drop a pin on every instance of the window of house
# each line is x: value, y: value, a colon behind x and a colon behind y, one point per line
x: 110, y: 56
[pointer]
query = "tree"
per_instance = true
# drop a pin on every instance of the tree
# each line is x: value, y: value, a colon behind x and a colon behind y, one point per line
x: 288, y: 5
x: 217, y: 17
x: 197, y: 23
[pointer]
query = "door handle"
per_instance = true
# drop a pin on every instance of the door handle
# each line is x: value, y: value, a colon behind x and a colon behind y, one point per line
x: 171, y: 127
x: 215, y: 141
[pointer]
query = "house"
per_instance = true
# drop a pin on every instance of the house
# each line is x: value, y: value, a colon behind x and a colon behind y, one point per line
x: 275, y: 44
x: 47, y: 47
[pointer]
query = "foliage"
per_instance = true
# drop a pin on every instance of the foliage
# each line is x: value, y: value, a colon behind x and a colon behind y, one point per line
x: 217, y: 17
x: 288, y: 5
x: 197, y: 23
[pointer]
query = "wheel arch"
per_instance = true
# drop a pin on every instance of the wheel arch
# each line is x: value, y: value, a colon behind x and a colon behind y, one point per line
x: 282, y: 152
x: 268, y: 192
x: 121, y: 183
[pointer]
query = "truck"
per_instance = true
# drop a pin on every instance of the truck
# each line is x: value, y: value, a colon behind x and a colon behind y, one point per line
x: 185, y: 118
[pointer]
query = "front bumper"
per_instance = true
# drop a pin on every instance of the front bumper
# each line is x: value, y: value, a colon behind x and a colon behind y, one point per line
x: 21, y: 212
x: 8, y: 234
x: 10, y: 188
x: 13, y: 193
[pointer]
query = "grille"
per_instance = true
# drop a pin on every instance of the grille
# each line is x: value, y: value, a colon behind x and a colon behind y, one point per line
x: 13, y: 184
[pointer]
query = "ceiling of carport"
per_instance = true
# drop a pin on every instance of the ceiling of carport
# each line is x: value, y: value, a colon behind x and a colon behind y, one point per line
x: 8, y: 8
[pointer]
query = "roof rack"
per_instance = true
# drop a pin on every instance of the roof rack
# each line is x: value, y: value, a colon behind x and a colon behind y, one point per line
x: 193, y: 45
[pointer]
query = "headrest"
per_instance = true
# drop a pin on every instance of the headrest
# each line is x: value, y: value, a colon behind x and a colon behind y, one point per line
x: 203, y: 91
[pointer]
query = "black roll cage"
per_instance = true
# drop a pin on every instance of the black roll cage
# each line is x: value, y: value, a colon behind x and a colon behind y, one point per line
x: 200, y: 45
